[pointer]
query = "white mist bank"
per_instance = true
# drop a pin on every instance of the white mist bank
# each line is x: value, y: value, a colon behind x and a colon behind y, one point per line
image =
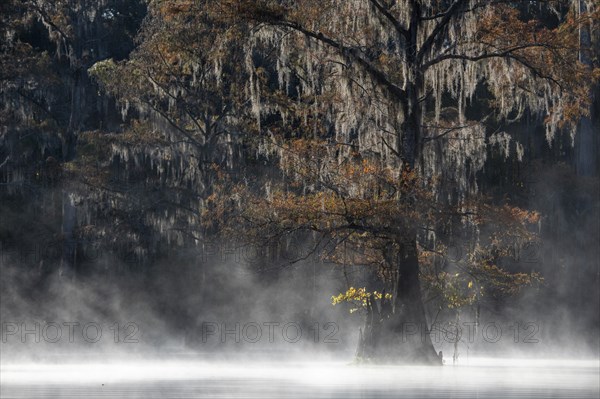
x: 481, y: 377
x: 480, y: 372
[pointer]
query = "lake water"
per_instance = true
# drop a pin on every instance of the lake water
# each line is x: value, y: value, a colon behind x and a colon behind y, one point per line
x: 477, y: 378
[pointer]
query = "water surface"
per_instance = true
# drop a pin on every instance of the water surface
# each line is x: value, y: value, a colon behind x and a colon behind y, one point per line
x: 479, y: 378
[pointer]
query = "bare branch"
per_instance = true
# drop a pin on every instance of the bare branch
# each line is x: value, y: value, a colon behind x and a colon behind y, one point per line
x: 402, y: 31
x: 428, y: 43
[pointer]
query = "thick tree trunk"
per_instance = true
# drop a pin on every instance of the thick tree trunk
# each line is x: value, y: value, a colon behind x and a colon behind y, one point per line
x: 398, y: 332
x: 409, y: 311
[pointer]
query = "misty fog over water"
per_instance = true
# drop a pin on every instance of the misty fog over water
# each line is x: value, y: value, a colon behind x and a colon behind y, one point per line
x: 500, y: 378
